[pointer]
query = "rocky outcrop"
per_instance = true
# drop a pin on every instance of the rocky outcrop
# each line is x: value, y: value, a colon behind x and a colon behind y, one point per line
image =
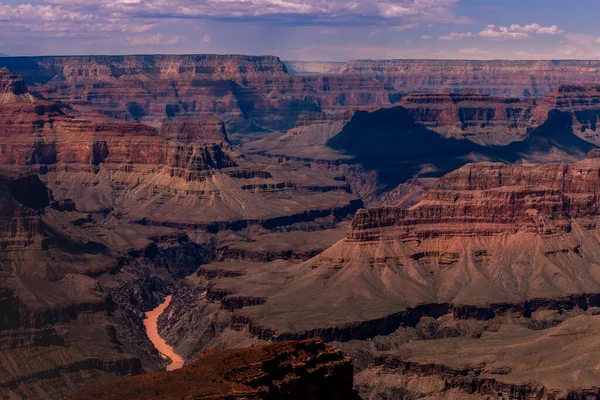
x: 12, y: 88
x: 480, y: 118
x: 148, y: 174
x: 192, y: 130
x: 581, y: 103
x: 480, y: 199
x: 293, y: 370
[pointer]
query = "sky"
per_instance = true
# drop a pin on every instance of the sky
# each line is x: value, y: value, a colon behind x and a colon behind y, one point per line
x: 311, y: 30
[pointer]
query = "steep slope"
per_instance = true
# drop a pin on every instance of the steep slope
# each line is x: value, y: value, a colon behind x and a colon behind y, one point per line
x: 487, y: 239
x: 136, y: 173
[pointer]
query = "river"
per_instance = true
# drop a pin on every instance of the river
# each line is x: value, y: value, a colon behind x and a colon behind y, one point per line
x: 151, y: 323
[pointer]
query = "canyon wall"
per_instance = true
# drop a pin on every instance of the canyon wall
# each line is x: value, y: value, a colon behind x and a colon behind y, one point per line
x: 519, y: 78
x: 248, y: 93
x: 495, y: 77
x: 104, y: 216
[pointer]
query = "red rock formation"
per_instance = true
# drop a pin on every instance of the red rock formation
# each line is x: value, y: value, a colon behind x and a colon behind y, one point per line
x: 244, y: 91
x: 76, y: 285
x: 477, y: 117
x: 294, y: 370
x: 513, y: 236
x: 582, y: 102
x: 187, y: 161
x: 498, y: 78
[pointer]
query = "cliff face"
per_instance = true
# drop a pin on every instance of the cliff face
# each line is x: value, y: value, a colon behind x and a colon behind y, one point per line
x: 246, y: 92
x: 150, y: 174
x: 498, y: 78
x: 480, y: 118
x: 581, y: 102
x: 295, y: 370
x: 495, y: 77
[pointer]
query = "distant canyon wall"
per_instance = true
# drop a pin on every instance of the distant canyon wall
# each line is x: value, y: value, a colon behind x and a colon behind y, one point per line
x: 246, y: 92
x: 495, y: 77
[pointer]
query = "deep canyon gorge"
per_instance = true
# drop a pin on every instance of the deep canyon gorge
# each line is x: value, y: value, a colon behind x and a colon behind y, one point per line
x: 217, y: 227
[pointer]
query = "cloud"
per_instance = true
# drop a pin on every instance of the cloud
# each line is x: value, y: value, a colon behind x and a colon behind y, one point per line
x: 40, y: 13
x: 298, y: 12
x: 425, y: 37
x: 512, y: 32
x: 206, y: 40
x: 516, y: 31
x: 457, y: 36
x: 501, y: 33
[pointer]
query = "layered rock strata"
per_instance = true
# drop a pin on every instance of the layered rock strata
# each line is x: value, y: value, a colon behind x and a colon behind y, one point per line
x: 581, y: 102
x: 480, y: 118
x: 496, y: 77
x: 140, y: 174
x: 248, y: 93
x: 102, y: 218
x: 459, y: 251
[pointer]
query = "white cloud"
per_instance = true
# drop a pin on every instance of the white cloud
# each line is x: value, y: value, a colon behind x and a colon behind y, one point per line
x: 511, y: 32
x: 206, y: 40
x: 352, y: 11
x: 40, y: 13
x: 501, y: 33
x: 457, y: 36
x: 516, y: 31
x: 425, y: 37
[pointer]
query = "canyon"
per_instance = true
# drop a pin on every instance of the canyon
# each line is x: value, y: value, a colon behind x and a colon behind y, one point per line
x: 319, y: 230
